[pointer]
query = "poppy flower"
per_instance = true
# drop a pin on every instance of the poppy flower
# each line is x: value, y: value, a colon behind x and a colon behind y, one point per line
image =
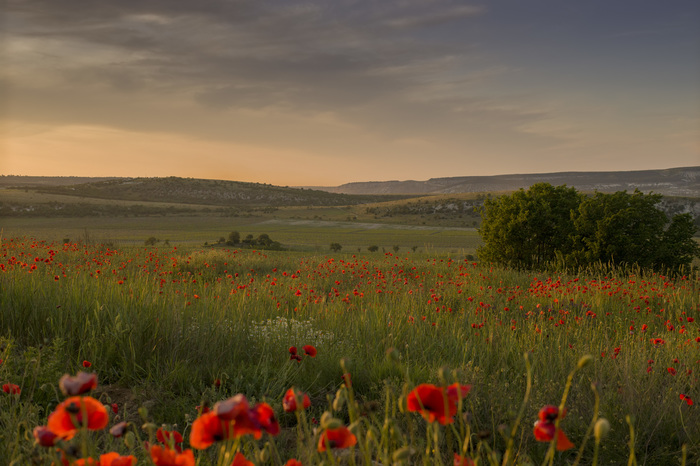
x: 118, y: 429
x: 289, y: 402
x: 240, y: 460
x: 293, y: 462
x: 545, y: 429
x: 87, y: 364
x: 266, y: 419
x: 208, y: 429
x: 336, y: 438
x: 169, y: 438
x: 83, y: 382
x: 44, y: 436
x: 432, y: 403
x: 11, y: 388
x: 462, y: 461
x: 77, y: 412
x: 295, y: 357
x: 163, y: 456
x: 309, y: 350
x: 293, y: 350
x: 115, y: 408
x: 108, y: 459
x: 687, y: 399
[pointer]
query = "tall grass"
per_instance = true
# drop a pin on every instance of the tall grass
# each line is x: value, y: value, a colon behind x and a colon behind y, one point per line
x: 161, y: 325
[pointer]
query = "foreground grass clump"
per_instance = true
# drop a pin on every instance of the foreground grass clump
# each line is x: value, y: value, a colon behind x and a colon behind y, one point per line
x: 170, y: 329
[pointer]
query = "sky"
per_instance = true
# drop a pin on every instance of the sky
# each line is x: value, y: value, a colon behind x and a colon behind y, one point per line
x: 320, y: 93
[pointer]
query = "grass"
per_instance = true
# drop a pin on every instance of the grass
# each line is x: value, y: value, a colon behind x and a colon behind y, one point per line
x: 161, y: 325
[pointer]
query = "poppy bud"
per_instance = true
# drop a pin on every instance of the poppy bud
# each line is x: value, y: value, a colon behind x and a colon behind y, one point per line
x: 601, y: 429
x: 330, y: 422
x: 130, y: 440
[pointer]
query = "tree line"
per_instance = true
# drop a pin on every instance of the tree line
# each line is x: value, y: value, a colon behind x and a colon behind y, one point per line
x: 544, y: 225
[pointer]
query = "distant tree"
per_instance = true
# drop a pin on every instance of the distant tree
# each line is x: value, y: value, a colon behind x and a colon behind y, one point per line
x: 222, y: 240
x: 263, y: 240
x: 336, y: 247
x: 249, y: 239
x: 396, y: 248
x: 233, y: 238
x: 373, y: 248
x: 413, y: 248
x: 151, y: 241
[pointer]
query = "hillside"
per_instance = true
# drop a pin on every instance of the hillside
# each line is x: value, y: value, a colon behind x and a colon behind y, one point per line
x: 670, y: 182
x: 207, y: 192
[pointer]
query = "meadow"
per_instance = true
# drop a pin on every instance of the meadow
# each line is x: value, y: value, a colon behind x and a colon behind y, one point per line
x: 171, y: 329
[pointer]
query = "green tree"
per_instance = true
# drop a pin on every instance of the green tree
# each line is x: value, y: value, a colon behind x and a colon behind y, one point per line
x: 233, y: 238
x: 528, y: 229
x: 336, y: 247
x: 618, y: 228
x: 678, y: 248
x: 151, y: 241
x: 373, y: 248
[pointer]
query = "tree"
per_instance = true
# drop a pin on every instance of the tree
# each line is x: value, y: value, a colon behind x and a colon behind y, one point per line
x: 533, y: 228
x: 529, y: 228
x: 336, y: 247
x: 151, y: 241
x: 233, y: 238
x: 678, y: 248
x: 373, y: 248
x: 618, y: 228
x: 396, y: 248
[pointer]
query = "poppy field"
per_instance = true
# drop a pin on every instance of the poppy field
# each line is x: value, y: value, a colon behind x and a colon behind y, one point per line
x: 186, y: 355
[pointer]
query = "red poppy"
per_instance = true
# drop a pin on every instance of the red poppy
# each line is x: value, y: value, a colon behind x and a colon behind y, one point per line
x: 115, y: 408
x: 293, y: 350
x: 11, y: 389
x: 463, y: 461
x: 432, y: 403
x: 169, y: 438
x: 289, y: 402
x: 545, y: 429
x: 309, y: 350
x: 336, y: 438
x: 240, y: 460
x: 295, y: 357
x: 232, y: 418
x: 85, y: 411
x: 163, y: 456
x: 293, y: 462
x: 687, y: 399
x: 81, y: 383
x: 44, y: 436
x: 267, y: 418
x: 108, y: 459
x: 671, y: 370
x: 208, y: 429
x: 87, y: 364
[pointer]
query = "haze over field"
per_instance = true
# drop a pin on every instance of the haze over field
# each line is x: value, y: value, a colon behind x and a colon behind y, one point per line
x: 324, y: 93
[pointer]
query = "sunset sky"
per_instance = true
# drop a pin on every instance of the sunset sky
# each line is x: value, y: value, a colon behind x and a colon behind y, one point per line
x: 334, y: 91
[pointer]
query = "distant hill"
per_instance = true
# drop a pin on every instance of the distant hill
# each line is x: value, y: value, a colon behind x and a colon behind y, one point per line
x: 683, y: 182
x: 7, y: 181
x: 206, y: 192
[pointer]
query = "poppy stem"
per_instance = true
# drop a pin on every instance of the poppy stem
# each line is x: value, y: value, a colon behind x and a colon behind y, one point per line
x: 596, y: 405
x: 507, y: 459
